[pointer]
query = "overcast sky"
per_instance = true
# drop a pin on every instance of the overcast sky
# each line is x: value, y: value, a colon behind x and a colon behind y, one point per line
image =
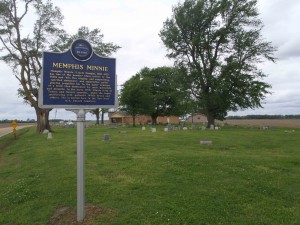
x: 134, y: 25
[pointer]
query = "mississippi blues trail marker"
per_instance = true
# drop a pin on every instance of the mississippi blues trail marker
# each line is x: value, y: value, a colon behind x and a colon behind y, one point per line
x: 78, y: 78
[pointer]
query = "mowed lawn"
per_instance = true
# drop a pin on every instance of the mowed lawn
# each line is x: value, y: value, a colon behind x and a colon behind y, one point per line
x: 247, y: 176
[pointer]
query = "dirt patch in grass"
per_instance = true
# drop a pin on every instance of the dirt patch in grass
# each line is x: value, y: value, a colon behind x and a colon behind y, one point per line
x: 93, y: 214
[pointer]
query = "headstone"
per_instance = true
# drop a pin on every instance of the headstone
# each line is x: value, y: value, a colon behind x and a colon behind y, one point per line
x: 184, y: 128
x: 143, y: 128
x: 203, y: 128
x: 49, y: 135
x: 264, y: 127
x: 212, y: 127
x: 205, y: 142
x: 106, y: 137
x: 69, y: 124
x: 122, y: 131
x: 289, y: 131
x: 45, y: 131
x: 166, y: 129
x: 216, y: 128
x: 153, y: 129
x: 193, y: 127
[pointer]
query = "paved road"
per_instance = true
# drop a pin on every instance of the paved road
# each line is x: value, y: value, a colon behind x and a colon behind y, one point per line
x: 7, y: 130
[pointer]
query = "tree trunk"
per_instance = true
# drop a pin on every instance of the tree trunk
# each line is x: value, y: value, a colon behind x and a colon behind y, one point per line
x: 210, y: 119
x: 133, y: 120
x: 102, y: 117
x: 96, y: 112
x: 42, y: 118
x: 154, y: 120
x: 97, y: 117
x: 192, y: 118
x: 103, y: 111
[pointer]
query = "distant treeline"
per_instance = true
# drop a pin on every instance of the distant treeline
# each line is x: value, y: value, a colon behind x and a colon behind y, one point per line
x: 29, y: 121
x: 264, y: 117
x: 18, y: 121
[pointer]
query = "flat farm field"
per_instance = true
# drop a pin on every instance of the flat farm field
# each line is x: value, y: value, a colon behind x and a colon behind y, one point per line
x: 288, y: 123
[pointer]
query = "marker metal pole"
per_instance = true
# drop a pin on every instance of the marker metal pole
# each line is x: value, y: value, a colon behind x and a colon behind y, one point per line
x: 80, y: 165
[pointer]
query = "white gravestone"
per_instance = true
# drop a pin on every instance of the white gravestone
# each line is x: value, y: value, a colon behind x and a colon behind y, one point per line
x: 205, y: 142
x: 49, y: 135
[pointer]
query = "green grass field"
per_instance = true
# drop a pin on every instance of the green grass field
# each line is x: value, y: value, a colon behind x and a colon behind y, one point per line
x: 247, y: 176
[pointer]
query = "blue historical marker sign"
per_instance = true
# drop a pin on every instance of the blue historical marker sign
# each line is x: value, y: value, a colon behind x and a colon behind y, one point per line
x: 78, y: 78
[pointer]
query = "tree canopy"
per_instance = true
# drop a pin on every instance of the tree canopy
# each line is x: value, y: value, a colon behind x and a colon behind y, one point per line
x: 166, y: 91
x: 218, y: 44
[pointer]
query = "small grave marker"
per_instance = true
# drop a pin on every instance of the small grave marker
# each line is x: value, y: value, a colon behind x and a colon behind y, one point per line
x: 49, y: 135
x: 106, y: 137
x: 205, y: 142
x: 45, y: 131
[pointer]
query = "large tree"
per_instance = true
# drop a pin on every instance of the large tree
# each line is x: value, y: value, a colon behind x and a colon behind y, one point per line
x: 218, y: 43
x: 22, y: 47
x: 135, y: 98
x: 155, y: 92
